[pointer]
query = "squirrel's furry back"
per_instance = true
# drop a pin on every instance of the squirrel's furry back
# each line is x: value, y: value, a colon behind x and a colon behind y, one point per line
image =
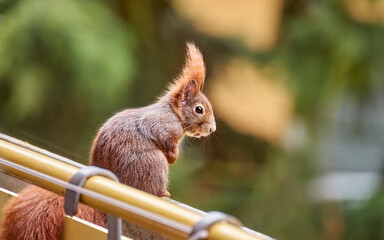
x: 134, y: 144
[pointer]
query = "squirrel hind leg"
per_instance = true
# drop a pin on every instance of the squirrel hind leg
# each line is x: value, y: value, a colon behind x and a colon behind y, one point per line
x: 157, y: 183
x: 148, y: 172
x: 35, y: 214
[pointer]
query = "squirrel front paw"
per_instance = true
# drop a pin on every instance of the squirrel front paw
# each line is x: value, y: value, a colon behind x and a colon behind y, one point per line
x: 172, y: 155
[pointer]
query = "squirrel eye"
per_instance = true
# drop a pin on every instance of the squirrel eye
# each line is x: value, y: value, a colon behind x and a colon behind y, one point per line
x: 199, y: 110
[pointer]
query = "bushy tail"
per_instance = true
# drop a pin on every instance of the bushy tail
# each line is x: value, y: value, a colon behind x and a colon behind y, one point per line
x: 38, y: 214
x: 35, y: 214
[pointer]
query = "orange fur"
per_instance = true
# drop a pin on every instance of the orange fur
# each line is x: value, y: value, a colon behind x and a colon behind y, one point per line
x: 194, y: 68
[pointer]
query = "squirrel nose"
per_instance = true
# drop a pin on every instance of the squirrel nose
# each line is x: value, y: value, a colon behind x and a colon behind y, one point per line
x: 212, y: 129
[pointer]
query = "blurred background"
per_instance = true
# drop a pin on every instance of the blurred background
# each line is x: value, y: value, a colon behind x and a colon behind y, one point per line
x: 297, y: 88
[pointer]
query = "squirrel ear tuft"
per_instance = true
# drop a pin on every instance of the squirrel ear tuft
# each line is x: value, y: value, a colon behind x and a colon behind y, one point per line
x: 191, y: 79
x: 194, y: 67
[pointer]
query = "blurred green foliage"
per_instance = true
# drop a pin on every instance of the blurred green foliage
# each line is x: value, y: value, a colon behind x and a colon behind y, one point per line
x: 62, y: 60
x: 327, y: 52
x: 66, y: 66
x: 55, y: 53
x: 366, y: 221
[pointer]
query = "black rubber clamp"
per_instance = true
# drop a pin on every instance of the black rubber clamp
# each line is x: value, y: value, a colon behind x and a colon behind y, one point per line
x: 72, y: 198
x: 201, y: 228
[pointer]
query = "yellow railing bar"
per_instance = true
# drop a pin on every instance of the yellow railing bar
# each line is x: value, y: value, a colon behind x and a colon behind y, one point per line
x: 63, y: 171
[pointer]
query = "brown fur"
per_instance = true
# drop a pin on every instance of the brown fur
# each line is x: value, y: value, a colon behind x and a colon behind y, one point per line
x: 38, y: 214
x: 136, y: 144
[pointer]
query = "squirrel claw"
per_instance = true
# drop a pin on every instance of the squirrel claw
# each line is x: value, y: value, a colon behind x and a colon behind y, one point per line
x: 166, y: 194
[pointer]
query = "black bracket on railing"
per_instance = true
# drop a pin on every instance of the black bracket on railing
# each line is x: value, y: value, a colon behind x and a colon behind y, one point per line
x: 201, y: 229
x: 72, y: 198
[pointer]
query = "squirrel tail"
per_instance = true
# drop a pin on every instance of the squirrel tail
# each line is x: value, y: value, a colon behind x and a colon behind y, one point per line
x: 39, y: 214
x: 35, y: 214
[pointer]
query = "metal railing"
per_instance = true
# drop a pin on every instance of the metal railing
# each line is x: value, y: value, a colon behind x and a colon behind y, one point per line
x: 52, y: 172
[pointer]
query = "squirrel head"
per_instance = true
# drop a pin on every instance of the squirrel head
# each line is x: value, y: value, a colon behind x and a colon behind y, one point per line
x: 187, y: 99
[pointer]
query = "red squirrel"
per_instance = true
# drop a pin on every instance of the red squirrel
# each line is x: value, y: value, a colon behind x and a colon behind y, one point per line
x: 135, y: 144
